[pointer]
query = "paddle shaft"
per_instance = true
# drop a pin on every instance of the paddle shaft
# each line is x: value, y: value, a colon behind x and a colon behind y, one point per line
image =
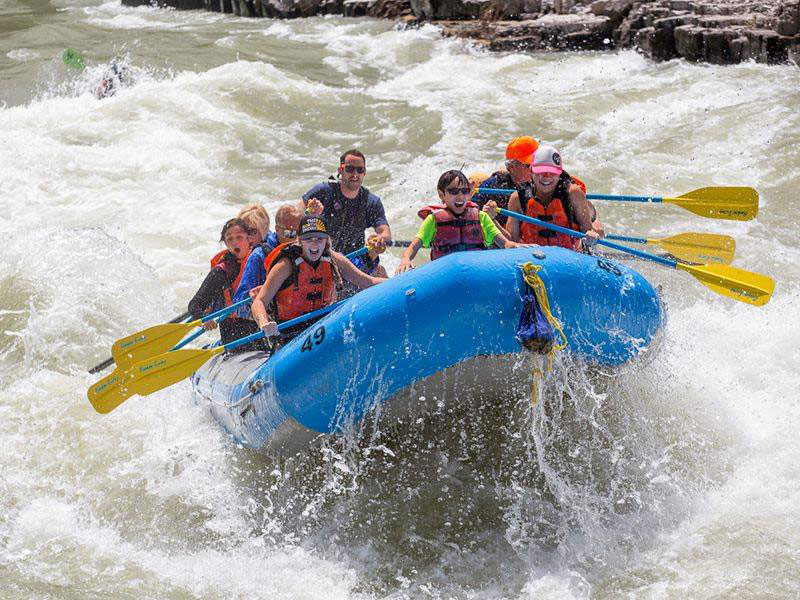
x: 625, y: 238
x: 283, y: 326
x: 578, y: 234
x: 110, y: 361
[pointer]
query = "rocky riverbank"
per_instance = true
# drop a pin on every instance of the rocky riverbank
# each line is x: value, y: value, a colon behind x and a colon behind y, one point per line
x: 713, y: 31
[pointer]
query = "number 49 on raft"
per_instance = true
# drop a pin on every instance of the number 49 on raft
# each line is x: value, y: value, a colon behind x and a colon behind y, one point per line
x: 315, y: 339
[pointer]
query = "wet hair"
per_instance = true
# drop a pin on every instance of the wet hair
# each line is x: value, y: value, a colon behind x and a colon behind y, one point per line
x: 255, y: 215
x: 447, y: 177
x: 352, y: 152
x: 231, y: 223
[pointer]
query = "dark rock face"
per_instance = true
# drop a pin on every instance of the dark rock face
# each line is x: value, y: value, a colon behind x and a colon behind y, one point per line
x: 720, y: 32
x: 713, y: 31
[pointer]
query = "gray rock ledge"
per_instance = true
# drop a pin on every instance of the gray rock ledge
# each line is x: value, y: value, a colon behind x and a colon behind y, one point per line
x: 712, y: 31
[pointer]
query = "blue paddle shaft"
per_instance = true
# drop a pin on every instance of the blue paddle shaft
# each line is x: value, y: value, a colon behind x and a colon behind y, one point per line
x: 495, y: 192
x: 283, y: 326
x: 624, y: 198
x: 499, y: 192
x: 578, y: 234
x: 625, y: 238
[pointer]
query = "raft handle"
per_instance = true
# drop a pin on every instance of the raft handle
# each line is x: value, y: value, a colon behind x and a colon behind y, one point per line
x: 255, y: 387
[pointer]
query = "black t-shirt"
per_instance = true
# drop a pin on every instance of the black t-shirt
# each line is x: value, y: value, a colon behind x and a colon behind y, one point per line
x: 348, y: 218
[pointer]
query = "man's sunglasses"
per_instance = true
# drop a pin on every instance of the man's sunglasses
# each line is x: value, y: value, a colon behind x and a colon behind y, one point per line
x: 354, y: 169
x: 456, y: 191
x: 289, y: 233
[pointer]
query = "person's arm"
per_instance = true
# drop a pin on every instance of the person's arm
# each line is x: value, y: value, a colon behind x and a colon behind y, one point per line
x: 583, y: 214
x: 504, y: 242
x: 311, y: 202
x: 490, y: 208
x: 277, y: 275
x: 352, y: 274
x: 408, y: 256
x: 210, y: 288
x: 376, y: 218
x: 512, y: 225
x: 425, y: 234
x: 492, y: 234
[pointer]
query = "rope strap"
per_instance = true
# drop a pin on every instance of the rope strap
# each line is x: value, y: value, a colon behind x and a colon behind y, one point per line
x: 530, y: 273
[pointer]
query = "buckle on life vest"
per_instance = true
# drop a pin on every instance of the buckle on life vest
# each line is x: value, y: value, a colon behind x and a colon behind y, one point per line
x: 547, y: 233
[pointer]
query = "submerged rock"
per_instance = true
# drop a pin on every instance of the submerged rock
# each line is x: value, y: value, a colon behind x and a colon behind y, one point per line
x: 713, y: 31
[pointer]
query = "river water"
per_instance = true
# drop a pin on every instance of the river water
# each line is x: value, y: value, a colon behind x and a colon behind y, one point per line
x: 676, y: 477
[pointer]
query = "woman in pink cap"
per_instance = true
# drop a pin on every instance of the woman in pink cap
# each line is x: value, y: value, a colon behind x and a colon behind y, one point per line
x: 557, y: 199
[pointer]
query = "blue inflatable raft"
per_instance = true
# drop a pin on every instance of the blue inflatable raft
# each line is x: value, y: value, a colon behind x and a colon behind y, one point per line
x: 393, y: 336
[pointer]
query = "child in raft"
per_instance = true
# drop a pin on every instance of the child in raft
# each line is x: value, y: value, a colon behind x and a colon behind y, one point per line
x: 303, y: 278
x: 217, y: 289
x: 456, y: 226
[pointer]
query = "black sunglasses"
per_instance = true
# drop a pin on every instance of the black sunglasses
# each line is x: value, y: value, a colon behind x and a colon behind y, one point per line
x: 354, y: 169
x: 456, y: 191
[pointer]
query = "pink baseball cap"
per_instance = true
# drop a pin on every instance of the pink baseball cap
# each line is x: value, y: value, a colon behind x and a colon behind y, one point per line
x: 546, y: 159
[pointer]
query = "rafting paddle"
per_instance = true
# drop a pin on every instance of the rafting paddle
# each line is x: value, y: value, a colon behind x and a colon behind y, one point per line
x: 156, y: 373
x: 73, y: 59
x: 724, y: 202
x: 110, y: 361
x: 741, y: 285
x: 161, y: 338
x: 693, y: 247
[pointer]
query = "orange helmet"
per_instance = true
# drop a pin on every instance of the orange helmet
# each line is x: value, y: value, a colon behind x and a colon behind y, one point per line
x: 521, y: 149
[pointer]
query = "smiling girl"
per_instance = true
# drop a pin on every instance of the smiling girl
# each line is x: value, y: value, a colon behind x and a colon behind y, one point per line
x: 558, y: 200
x: 304, y: 278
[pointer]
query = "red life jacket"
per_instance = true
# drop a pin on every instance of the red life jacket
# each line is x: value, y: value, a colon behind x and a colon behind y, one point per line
x: 454, y: 233
x: 307, y: 288
x: 219, y: 260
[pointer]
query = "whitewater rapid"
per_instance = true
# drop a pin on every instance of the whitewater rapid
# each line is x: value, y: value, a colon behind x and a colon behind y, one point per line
x: 672, y: 478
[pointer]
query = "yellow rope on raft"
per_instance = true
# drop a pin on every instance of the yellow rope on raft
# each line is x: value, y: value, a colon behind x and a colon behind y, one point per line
x: 530, y: 273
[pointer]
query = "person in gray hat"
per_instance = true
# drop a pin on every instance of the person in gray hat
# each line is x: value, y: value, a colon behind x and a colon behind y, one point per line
x: 557, y: 199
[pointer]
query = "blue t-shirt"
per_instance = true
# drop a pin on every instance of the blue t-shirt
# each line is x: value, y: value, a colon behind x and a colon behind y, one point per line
x: 254, y: 272
x: 348, y: 218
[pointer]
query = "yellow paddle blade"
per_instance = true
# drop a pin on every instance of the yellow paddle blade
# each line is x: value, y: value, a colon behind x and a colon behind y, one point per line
x: 111, y: 391
x: 731, y: 203
x: 741, y: 285
x: 149, y: 342
x: 699, y: 247
x: 151, y: 375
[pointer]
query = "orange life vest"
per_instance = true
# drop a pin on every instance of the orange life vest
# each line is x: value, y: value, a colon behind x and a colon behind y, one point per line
x: 454, y: 233
x: 273, y: 255
x: 552, y: 213
x: 557, y: 212
x: 219, y: 261
x: 308, y: 288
